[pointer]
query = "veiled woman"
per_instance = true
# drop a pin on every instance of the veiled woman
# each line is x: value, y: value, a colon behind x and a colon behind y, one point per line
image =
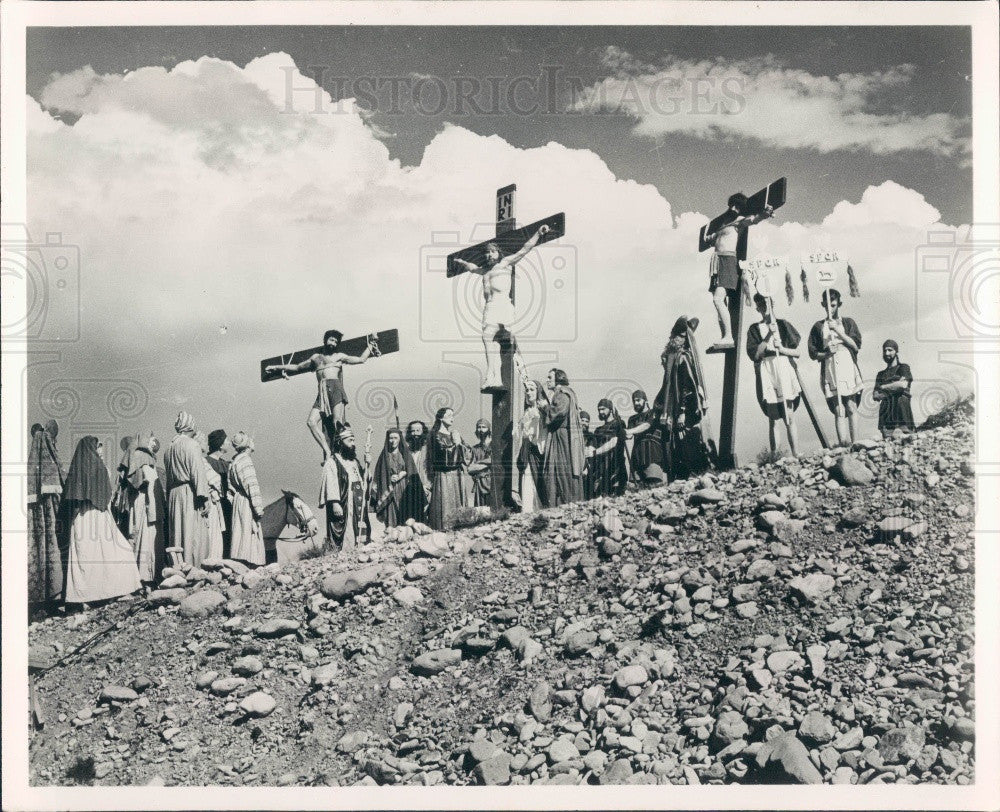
x: 101, y: 562
x: 445, y: 457
x: 681, y: 405
x: 244, y: 492
x: 531, y: 455
x: 399, y: 493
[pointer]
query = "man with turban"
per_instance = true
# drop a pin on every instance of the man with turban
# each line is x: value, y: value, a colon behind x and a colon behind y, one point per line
x: 892, y: 391
x: 214, y: 521
x: 647, y: 441
x: 329, y: 410
x: 681, y: 405
x: 610, y: 471
x: 342, y: 493
x: 399, y: 492
x: 244, y: 492
x: 187, y: 490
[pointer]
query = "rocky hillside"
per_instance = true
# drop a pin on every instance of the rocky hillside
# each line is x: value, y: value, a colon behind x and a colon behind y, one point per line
x: 807, y: 622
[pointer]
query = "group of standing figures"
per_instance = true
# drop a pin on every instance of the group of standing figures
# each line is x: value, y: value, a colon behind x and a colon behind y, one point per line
x: 94, y: 538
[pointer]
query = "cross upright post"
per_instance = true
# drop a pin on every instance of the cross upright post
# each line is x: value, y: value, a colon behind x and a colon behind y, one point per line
x: 772, y: 195
x: 507, y: 397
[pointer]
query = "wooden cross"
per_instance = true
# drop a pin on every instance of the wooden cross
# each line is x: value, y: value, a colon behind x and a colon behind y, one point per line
x: 387, y: 341
x: 772, y: 195
x: 508, y: 403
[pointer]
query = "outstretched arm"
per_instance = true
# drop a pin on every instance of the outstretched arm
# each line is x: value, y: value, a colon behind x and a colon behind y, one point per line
x: 531, y: 243
x: 285, y: 369
x: 358, y: 359
x: 469, y: 266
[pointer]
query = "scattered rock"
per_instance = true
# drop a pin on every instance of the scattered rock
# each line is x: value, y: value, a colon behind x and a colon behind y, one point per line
x: 201, y: 603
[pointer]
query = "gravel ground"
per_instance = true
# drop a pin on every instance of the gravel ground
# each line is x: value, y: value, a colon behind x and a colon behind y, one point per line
x: 809, y: 621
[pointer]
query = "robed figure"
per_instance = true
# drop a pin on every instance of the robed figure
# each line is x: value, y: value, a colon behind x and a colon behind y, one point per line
x: 399, y: 491
x: 45, y: 487
x: 244, y: 493
x: 445, y: 458
x: 187, y: 491
x: 647, y: 441
x: 681, y: 405
x: 563, y: 466
x: 342, y: 493
x: 147, y: 507
x: 608, y: 468
x: 892, y: 392
x: 100, y: 563
x: 531, y: 454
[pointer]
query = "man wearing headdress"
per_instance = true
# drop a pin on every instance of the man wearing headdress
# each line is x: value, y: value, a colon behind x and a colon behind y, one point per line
x: 187, y: 490
x: 248, y: 506
x: 647, y: 441
x: 479, y: 464
x: 217, y: 441
x: 101, y: 562
x: 342, y: 492
x: 147, y: 507
x: 835, y: 342
x: 563, y: 466
x: 399, y: 492
x: 681, y: 406
x: 327, y: 415
x: 892, y: 391
x: 610, y: 471
x: 45, y: 487
x: 416, y: 441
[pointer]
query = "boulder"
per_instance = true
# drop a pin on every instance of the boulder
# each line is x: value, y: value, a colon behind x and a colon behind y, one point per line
x: 631, y: 675
x: 817, y: 727
x: 408, y: 596
x: 812, y: 588
x: 258, y: 705
x: 344, y: 584
x: 786, y: 754
x: 117, y: 693
x: 434, y: 545
x: 901, y: 744
x: 166, y: 597
x: 850, y: 470
x: 202, y: 603
x: 434, y: 662
x: 324, y: 674
x: 277, y: 627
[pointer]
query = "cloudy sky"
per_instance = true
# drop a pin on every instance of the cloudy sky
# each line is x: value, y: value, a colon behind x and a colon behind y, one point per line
x: 235, y: 192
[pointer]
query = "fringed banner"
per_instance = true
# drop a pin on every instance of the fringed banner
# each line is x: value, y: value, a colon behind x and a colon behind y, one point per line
x: 758, y: 273
x: 828, y: 269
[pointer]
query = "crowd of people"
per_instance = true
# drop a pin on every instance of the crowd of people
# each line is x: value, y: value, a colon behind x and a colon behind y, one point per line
x: 95, y: 537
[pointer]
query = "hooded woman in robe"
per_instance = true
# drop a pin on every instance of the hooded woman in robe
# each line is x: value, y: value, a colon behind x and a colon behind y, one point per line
x: 101, y: 562
x: 682, y: 406
x: 147, y: 507
x: 399, y: 492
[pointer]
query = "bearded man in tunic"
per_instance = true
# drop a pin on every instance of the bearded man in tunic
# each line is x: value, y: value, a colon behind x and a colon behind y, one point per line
x: 342, y: 492
x: 480, y: 464
x: 327, y: 415
x: 498, y: 309
x: 416, y: 441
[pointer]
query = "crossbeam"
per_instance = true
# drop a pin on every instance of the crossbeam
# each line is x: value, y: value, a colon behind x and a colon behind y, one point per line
x: 388, y: 342
x: 509, y: 242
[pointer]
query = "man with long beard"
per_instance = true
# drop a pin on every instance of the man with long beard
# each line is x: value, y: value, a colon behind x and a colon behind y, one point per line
x: 480, y: 463
x: 416, y: 441
x: 327, y: 415
x: 647, y: 446
x: 610, y: 470
x: 342, y: 493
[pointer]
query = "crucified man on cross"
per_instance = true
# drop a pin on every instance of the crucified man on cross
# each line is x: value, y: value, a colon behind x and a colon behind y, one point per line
x: 498, y: 309
x: 328, y: 411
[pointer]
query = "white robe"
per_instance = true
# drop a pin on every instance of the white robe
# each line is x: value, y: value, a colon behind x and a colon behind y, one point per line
x: 101, y: 561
